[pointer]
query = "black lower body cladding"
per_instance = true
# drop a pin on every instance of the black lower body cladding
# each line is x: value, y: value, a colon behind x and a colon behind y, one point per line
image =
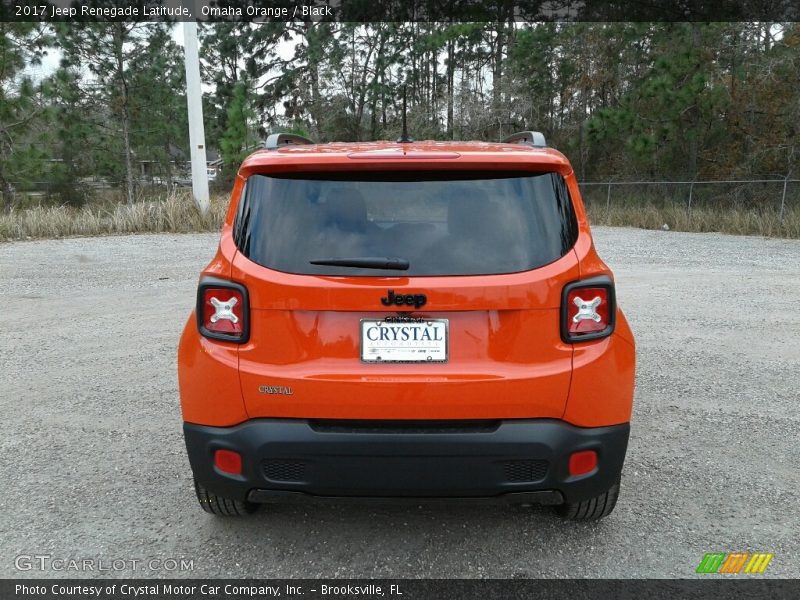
x: 526, y: 460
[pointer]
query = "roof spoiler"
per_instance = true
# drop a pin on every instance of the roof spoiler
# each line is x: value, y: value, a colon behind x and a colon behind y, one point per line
x: 276, y: 140
x: 534, y: 138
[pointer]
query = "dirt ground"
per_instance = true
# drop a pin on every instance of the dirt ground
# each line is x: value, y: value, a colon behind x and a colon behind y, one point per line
x: 94, y: 464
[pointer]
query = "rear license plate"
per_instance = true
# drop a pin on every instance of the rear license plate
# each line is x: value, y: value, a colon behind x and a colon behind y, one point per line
x: 404, y: 341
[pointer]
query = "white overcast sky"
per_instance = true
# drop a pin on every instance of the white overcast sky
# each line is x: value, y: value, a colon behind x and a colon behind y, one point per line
x: 50, y: 62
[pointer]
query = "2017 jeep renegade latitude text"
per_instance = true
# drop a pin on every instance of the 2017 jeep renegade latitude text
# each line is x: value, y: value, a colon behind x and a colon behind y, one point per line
x: 418, y: 320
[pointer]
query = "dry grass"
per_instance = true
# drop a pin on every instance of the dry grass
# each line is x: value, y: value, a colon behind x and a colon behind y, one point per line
x: 171, y: 212
x: 175, y: 212
x: 735, y: 221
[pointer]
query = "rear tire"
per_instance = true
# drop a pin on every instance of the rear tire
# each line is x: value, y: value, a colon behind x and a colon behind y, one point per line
x: 223, y: 507
x: 592, y: 509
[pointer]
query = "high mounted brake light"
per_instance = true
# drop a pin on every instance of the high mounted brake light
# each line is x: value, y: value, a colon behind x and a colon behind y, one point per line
x: 223, y: 310
x: 588, y: 309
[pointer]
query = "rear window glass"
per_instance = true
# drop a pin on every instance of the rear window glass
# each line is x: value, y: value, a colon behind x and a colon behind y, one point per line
x: 437, y: 223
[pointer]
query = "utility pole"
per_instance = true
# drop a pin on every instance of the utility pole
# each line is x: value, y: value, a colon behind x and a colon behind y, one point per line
x: 194, y: 100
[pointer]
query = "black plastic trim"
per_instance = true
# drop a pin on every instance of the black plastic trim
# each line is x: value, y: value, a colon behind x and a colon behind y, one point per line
x: 216, y: 282
x: 418, y: 464
x: 241, y: 219
x: 602, y: 281
x: 407, y: 427
x: 533, y: 138
x: 279, y: 140
x: 543, y: 497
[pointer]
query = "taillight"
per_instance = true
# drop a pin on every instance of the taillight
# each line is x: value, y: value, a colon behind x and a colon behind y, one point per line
x: 223, y: 312
x: 588, y: 309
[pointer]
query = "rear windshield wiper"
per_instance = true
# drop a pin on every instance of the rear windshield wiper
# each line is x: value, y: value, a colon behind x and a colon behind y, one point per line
x: 365, y: 262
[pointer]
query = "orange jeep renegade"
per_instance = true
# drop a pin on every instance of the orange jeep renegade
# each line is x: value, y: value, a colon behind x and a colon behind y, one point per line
x: 409, y: 319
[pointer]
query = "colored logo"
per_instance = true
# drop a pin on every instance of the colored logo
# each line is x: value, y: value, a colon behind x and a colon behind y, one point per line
x: 735, y: 562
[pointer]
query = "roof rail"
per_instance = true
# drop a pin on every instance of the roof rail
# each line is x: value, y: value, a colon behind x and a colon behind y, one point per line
x: 534, y: 138
x: 276, y: 140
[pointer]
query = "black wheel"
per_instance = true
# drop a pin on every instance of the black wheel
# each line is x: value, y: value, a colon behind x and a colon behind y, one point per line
x: 224, y: 507
x: 592, y: 509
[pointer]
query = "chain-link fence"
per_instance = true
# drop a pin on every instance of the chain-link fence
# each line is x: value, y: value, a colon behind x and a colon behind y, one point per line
x: 48, y: 193
x: 768, y: 207
x: 770, y: 195
x: 776, y: 196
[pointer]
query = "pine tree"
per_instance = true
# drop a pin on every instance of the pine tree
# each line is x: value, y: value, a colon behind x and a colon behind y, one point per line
x: 237, y: 140
x: 106, y: 49
x: 21, y: 45
x: 159, y: 127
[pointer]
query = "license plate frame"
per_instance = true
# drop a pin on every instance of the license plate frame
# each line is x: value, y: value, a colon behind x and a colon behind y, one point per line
x: 372, y: 353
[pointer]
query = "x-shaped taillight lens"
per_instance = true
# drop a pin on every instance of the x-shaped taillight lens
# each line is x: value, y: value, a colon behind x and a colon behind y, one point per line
x: 587, y: 312
x: 223, y: 311
x: 587, y: 309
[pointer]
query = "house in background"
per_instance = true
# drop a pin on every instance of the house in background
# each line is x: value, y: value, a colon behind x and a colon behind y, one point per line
x: 213, y: 164
x: 154, y: 172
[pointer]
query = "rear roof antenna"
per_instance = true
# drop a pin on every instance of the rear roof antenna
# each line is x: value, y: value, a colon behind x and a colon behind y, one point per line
x: 404, y: 139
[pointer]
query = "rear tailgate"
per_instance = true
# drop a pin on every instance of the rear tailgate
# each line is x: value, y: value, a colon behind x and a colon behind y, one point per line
x: 505, y: 356
x: 489, y: 251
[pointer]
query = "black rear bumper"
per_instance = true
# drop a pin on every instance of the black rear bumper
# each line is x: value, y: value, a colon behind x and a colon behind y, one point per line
x: 518, y: 460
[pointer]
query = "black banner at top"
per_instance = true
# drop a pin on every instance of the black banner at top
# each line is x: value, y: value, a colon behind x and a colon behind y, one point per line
x: 400, y: 10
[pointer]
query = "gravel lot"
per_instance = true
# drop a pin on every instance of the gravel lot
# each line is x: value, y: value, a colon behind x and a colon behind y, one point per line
x: 94, y: 464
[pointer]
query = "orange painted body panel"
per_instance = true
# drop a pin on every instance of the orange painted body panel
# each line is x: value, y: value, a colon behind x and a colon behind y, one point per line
x: 208, y: 379
x: 491, y: 372
x: 506, y: 357
x: 602, y: 380
x: 504, y: 341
